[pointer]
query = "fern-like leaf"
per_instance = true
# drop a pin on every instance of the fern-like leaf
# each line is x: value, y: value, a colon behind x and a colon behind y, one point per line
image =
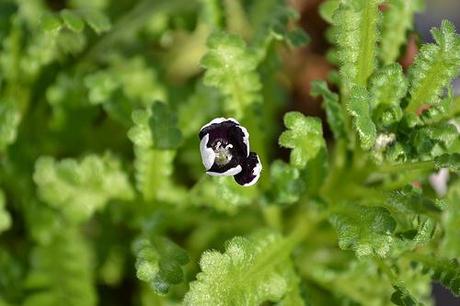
x: 356, y: 36
x: 78, y: 189
x: 251, y: 271
x: 231, y: 67
x: 434, y: 68
x: 61, y: 272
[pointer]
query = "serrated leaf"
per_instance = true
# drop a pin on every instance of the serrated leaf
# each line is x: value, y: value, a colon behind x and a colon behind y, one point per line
x: 451, y: 222
x: 445, y: 271
x: 286, y: 185
x: 304, y: 136
x: 50, y: 23
x: 387, y: 87
x: 398, y: 19
x: 328, y: 8
x: 99, y: 22
x: 231, y: 67
x: 72, y: 20
x: 365, y: 230
x: 163, y: 126
x: 402, y: 297
x: 66, y: 254
x: 334, y: 111
x: 450, y: 161
x: 251, y: 271
x: 356, y: 37
x: 435, y: 66
x: 359, y: 108
x: 159, y: 262
x: 79, y: 188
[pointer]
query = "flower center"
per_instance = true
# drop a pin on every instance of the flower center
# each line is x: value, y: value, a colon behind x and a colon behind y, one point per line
x: 223, y: 155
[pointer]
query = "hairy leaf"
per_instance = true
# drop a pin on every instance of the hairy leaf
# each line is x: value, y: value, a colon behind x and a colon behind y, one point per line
x: 387, y: 87
x: 359, y: 108
x: 251, y: 271
x: 398, y: 18
x: 434, y: 68
x: 334, y: 111
x: 304, y: 136
x: 79, y: 188
x: 163, y: 124
x: 159, y: 262
x: 231, y: 67
x: 356, y: 36
x: 61, y: 272
x: 365, y: 230
x: 286, y: 183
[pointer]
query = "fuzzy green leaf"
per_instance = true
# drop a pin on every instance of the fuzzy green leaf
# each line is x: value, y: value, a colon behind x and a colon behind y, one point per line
x: 365, y: 230
x: 450, y: 161
x: 398, y: 19
x: 5, y: 218
x: 436, y: 65
x: 356, y: 36
x: 159, y: 263
x: 231, y: 67
x: 251, y: 271
x: 163, y: 125
x: 334, y: 111
x: 9, y: 121
x: 99, y: 22
x: 286, y: 183
x: 387, y: 87
x: 445, y: 271
x: 402, y: 297
x: 359, y: 108
x: 78, y: 189
x: 304, y: 136
x: 153, y: 167
x: 451, y: 222
x: 60, y: 272
x: 72, y: 20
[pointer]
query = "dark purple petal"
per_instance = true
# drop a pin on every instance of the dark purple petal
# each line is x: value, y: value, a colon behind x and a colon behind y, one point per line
x: 250, y: 173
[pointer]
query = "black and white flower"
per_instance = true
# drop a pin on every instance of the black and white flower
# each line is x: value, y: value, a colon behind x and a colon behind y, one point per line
x: 224, y: 147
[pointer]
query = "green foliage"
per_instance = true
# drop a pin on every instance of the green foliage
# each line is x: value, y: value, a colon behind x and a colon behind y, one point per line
x: 230, y: 66
x: 101, y: 176
x: 359, y: 108
x: 356, y: 36
x: 365, y: 230
x: 159, y: 263
x: 304, y: 137
x: 5, y: 218
x: 388, y: 86
x: 398, y: 18
x: 333, y: 109
x: 251, y: 271
x: 435, y: 67
x: 68, y: 255
x: 78, y: 189
x: 163, y: 127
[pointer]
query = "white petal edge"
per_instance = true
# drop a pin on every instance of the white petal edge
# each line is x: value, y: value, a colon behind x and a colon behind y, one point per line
x: 219, y: 120
x: 207, y: 154
x: 256, y: 171
x: 229, y: 172
x: 245, y: 139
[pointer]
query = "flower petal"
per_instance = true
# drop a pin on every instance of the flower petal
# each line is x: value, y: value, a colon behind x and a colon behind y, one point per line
x: 207, y: 154
x: 251, y: 168
x: 229, y: 172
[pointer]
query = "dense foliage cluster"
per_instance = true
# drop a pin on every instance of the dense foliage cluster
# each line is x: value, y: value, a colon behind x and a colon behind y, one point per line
x: 103, y: 196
